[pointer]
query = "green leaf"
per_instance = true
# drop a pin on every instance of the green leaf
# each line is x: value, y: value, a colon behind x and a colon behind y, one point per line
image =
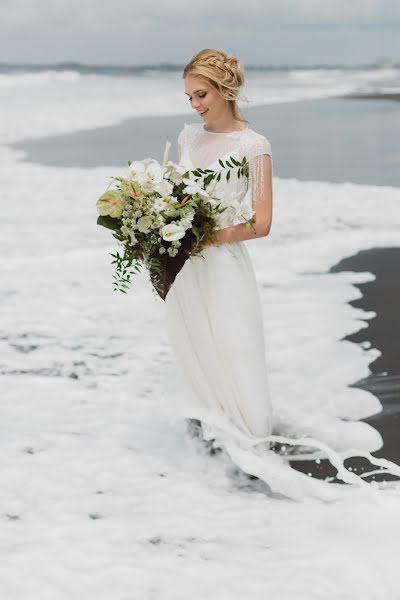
x: 221, y: 163
x: 228, y: 175
x: 109, y: 223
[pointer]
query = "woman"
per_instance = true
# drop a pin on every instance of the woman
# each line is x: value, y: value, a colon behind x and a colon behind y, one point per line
x: 213, y: 311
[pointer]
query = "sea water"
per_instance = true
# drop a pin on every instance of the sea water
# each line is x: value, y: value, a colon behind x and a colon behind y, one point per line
x: 100, y: 498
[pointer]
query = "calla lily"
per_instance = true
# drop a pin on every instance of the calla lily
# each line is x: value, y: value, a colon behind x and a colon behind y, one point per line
x: 172, y: 232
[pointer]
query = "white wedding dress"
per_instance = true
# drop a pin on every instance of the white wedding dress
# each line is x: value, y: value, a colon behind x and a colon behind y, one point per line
x: 214, y: 323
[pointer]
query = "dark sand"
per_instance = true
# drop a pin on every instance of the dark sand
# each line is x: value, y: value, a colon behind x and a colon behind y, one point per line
x: 330, y: 139
x: 395, y: 97
x: 383, y: 332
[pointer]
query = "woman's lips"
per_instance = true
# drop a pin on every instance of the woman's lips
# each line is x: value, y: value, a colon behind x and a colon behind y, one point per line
x: 202, y: 113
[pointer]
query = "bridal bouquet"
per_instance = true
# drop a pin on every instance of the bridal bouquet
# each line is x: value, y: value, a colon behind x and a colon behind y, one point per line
x: 162, y: 214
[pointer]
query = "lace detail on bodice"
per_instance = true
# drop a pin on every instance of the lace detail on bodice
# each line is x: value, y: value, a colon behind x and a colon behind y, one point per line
x: 206, y: 147
x: 199, y: 148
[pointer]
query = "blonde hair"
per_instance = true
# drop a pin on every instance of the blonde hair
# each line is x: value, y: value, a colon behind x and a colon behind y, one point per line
x: 223, y: 71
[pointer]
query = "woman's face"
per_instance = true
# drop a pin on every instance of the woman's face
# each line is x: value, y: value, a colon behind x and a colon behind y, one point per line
x: 205, y: 99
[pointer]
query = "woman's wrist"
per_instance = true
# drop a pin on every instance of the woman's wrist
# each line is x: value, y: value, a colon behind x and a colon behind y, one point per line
x: 219, y: 237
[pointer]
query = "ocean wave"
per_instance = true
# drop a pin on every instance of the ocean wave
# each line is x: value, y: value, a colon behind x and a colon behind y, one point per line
x: 38, y: 78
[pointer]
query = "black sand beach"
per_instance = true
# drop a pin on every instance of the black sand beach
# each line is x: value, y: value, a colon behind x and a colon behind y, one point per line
x: 383, y: 332
x: 331, y: 139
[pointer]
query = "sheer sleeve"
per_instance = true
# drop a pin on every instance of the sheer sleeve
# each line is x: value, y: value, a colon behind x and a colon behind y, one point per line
x: 260, y: 180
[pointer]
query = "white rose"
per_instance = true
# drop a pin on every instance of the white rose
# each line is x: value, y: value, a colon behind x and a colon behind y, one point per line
x: 172, y: 232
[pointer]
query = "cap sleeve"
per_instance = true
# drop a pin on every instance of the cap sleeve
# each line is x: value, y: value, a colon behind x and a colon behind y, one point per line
x: 260, y: 174
x: 260, y: 146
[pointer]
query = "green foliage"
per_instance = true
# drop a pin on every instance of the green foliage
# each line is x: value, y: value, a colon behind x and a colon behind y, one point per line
x: 241, y: 167
x: 125, y: 266
x: 109, y: 222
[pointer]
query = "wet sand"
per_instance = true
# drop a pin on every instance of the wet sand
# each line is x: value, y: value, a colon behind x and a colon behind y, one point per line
x: 329, y: 139
x: 395, y: 97
x: 383, y: 332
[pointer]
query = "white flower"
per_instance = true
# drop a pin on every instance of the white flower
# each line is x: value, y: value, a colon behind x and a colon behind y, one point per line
x: 247, y: 212
x: 144, y: 224
x: 189, y: 214
x: 175, y: 172
x: 192, y: 187
x: 155, y: 172
x: 172, y: 232
x: 137, y: 168
x: 147, y: 172
x: 240, y: 210
x: 133, y: 238
x: 164, y: 188
x: 159, y: 204
x: 186, y: 223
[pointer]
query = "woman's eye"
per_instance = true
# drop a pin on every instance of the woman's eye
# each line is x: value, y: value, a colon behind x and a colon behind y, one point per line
x: 200, y: 96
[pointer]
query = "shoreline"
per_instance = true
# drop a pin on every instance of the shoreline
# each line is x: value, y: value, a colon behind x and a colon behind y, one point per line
x: 387, y: 96
x: 383, y: 332
x: 325, y: 139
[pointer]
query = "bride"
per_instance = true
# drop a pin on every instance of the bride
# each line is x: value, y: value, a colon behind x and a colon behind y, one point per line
x: 213, y: 309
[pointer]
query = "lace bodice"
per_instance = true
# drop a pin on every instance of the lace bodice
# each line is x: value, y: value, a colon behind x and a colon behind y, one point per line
x: 203, y: 149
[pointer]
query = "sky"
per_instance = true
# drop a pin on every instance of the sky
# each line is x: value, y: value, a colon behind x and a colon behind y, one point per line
x: 269, y: 32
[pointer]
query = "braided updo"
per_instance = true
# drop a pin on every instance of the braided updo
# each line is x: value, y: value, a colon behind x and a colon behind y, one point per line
x: 222, y: 70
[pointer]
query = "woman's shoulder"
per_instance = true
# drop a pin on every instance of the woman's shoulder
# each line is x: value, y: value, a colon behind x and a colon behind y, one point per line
x: 257, y: 142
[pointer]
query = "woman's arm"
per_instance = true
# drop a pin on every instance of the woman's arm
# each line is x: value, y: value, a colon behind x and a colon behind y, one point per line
x: 262, y: 205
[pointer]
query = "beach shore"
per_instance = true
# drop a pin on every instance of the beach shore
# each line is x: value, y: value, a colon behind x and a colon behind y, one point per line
x: 383, y: 333
x: 395, y: 97
x: 323, y: 140
x: 329, y: 139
